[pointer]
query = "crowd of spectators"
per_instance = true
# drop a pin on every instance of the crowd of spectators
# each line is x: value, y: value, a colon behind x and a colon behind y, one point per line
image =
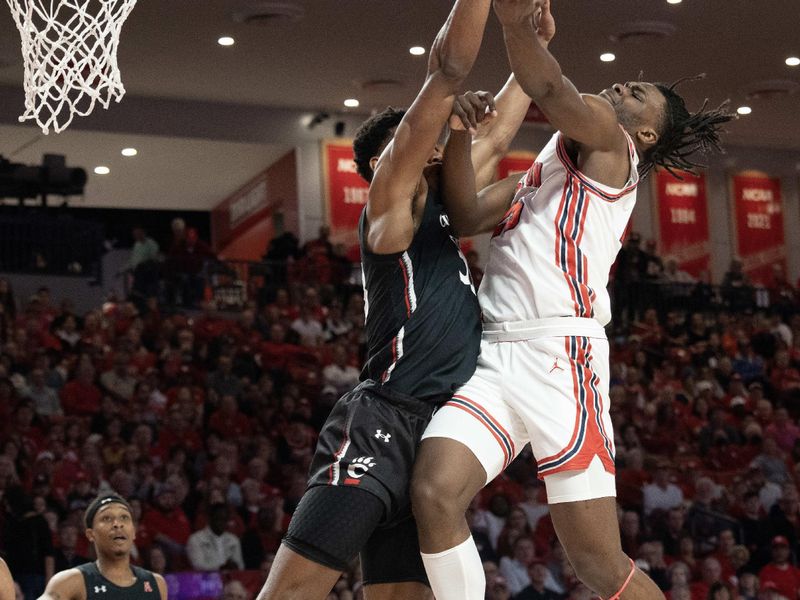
x: 207, y: 422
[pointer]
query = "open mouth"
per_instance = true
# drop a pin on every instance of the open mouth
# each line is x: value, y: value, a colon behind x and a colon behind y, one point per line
x: 120, y: 538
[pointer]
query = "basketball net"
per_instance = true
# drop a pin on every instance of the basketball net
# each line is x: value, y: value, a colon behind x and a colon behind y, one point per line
x: 70, y: 52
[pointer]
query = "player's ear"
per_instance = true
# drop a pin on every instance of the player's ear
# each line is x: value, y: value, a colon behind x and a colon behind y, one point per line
x: 89, y: 535
x: 373, y: 162
x: 646, y: 137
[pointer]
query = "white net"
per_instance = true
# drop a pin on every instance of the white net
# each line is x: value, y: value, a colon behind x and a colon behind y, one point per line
x: 70, y: 52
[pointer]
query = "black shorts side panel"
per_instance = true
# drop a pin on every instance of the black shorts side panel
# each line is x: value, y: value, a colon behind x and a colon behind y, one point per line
x: 391, y: 555
x: 370, y: 441
x: 332, y: 524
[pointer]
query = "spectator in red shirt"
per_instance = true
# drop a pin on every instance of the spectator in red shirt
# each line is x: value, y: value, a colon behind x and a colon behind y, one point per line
x: 783, y: 430
x: 782, y: 574
x: 228, y: 422
x: 168, y: 523
x: 81, y: 397
x: 711, y: 574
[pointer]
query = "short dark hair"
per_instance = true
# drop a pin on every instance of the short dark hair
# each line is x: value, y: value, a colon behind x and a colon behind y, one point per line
x: 683, y: 133
x: 372, y: 137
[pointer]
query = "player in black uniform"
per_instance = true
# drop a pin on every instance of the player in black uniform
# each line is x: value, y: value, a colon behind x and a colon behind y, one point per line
x: 423, y: 330
x: 110, y: 527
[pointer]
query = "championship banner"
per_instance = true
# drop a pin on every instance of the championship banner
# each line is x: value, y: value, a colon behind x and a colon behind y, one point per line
x: 758, y: 216
x: 345, y: 191
x: 513, y: 163
x: 683, y: 220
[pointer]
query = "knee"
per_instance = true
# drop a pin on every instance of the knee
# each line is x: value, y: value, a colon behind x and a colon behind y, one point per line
x: 438, y: 496
x: 604, y: 572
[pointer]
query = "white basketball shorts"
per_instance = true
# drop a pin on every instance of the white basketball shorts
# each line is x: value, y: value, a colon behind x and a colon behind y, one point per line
x: 533, y: 384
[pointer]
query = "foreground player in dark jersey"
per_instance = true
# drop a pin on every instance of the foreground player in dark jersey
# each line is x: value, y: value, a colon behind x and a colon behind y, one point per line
x: 423, y: 333
x: 110, y: 527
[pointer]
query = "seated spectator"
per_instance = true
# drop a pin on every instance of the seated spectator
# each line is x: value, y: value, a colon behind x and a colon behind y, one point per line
x: 228, y: 421
x: 515, y: 568
x: 308, y: 328
x: 65, y: 555
x: 340, y: 374
x: 80, y: 396
x: 223, y: 381
x: 168, y: 523
x: 119, y: 381
x: 780, y: 573
x: 661, y: 494
x: 711, y: 575
x: 45, y: 399
x: 536, y: 590
x: 213, y: 548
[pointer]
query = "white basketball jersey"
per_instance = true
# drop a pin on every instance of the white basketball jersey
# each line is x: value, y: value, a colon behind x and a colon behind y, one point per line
x: 551, y: 254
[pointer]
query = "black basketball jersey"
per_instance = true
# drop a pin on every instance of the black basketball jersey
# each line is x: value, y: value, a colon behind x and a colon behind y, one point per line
x: 100, y: 588
x: 422, y: 316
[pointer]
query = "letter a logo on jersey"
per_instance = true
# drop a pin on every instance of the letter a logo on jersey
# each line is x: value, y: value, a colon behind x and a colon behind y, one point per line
x: 148, y: 587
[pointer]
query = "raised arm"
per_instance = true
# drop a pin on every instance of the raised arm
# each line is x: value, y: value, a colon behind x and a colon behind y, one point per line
x: 492, y: 141
x: 471, y: 211
x: 589, y: 120
x: 398, y: 171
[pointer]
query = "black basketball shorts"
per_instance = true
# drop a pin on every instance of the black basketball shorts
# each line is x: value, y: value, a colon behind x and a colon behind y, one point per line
x: 368, y: 444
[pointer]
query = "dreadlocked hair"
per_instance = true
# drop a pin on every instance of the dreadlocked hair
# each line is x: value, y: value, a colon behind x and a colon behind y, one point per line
x: 372, y: 137
x: 684, y: 133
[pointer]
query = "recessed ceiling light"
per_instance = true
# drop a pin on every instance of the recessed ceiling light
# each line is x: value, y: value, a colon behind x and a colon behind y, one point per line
x: 129, y: 152
x: 101, y: 170
x: 351, y: 103
x: 226, y: 40
x: 793, y: 61
x: 674, y: 1
x: 608, y: 57
x: 417, y: 50
x: 744, y: 110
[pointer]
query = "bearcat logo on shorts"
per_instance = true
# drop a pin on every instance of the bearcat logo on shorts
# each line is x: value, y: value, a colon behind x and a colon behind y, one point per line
x: 357, y: 468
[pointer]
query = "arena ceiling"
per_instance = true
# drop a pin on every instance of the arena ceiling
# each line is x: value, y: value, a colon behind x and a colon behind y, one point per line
x: 338, y: 49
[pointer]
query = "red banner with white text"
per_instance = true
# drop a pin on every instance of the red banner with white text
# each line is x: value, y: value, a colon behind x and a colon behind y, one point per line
x: 345, y: 191
x: 758, y: 216
x: 683, y: 220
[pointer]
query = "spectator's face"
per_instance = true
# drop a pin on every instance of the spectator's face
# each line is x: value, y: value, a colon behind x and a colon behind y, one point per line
x: 158, y: 560
x: 748, y: 583
x: 219, y: 521
x: 524, y: 550
x: 517, y: 520
x: 167, y: 500
x: 538, y: 574
x: 68, y: 537
x: 726, y: 540
x: 712, y: 571
x: 679, y: 575
x: 780, y: 554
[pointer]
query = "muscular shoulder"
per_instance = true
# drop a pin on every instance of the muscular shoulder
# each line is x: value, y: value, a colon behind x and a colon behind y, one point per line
x: 66, y: 585
x: 6, y: 582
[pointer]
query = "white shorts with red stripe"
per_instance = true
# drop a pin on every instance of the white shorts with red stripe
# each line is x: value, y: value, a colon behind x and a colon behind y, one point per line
x: 543, y: 382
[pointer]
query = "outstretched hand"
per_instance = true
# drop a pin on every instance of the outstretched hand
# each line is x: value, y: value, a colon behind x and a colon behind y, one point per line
x: 472, y: 109
x: 513, y: 12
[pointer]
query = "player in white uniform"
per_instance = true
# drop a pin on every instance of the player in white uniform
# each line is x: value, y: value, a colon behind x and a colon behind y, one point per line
x: 543, y: 372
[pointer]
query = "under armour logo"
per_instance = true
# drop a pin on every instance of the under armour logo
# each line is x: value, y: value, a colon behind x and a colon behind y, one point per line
x: 100, y: 588
x: 556, y: 366
x: 383, y: 436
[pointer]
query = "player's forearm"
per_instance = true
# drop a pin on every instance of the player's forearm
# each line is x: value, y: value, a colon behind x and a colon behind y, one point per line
x: 456, y: 46
x: 493, y: 141
x: 458, y: 183
x: 537, y: 71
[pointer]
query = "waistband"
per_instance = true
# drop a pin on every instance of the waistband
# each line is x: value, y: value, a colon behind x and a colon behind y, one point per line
x: 515, y: 331
x: 422, y: 407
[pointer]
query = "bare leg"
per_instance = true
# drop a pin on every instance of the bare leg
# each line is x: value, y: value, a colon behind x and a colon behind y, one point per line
x: 447, y: 475
x: 294, y: 577
x: 589, y: 532
x: 398, y: 591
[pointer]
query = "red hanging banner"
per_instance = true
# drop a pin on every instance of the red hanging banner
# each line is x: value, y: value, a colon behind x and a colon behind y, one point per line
x: 345, y: 191
x: 683, y: 220
x: 513, y: 163
x: 758, y: 216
